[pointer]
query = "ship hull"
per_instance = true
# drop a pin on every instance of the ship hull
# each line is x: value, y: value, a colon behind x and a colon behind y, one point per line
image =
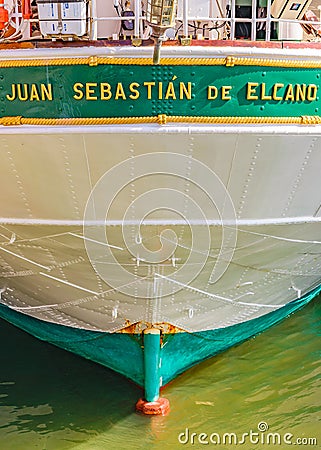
x: 189, y: 207
x: 123, y: 352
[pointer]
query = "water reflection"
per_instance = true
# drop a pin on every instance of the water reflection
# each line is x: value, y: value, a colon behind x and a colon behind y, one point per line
x: 44, y: 390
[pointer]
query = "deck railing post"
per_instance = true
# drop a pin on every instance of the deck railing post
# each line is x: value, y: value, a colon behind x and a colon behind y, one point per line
x: 253, y: 22
x: 268, y: 21
x: 185, y: 18
x: 137, y: 17
x: 232, y: 32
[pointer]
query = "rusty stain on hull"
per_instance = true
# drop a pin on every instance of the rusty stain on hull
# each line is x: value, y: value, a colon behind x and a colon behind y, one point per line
x: 139, y: 327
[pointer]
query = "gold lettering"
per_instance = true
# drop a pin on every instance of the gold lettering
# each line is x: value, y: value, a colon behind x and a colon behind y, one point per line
x: 149, y: 85
x: 20, y: 97
x: 78, y: 92
x: 251, y: 91
x: 46, y: 92
x: 170, y: 92
x: 300, y: 90
x: 212, y: 92
x: 263, y: 95
x: 225, y: 92
x: 120, y: 92
x: 90, y: 91
x: 34, y: 93
x: 183, y: 90
x: 289, y: 94
x: 13, y: 93
x: 160, y: 90
x: 105, y: 91
x: 276, y: 86
x: 312, y: 92
x: 135, y: 93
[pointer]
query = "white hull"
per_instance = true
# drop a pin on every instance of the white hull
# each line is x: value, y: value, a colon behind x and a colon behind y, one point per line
x: 47, y: 175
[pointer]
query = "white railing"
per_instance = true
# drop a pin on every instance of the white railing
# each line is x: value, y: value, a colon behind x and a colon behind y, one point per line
x: 185, y: 23
x: 221, y: 21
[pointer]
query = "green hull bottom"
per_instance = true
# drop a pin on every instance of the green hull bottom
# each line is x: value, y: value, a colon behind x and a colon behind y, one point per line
x: 123, y: 352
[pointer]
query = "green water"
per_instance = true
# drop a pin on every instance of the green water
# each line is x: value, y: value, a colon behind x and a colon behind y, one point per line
x: 50, y: 399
